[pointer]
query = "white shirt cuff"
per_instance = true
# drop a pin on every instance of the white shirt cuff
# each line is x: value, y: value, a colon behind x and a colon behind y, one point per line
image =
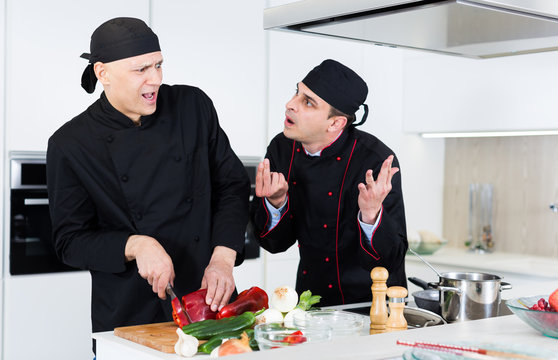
x: 367, y: 228
x: 274, y: 213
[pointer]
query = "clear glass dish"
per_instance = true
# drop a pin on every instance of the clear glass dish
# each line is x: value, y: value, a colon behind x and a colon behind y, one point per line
x: 342, y: 323
x: 275, y: 335
x: 544, y: 321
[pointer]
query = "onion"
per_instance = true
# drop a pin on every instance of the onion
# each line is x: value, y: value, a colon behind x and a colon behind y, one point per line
x: 235, y: 346
x: 270, y: 316
x: 284, y: 299
x: 289, y: 318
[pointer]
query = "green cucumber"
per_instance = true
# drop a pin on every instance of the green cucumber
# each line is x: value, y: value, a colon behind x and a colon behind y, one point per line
x: 211, y: 328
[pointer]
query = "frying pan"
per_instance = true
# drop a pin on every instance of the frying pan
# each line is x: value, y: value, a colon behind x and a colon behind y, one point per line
x: 427, y: 299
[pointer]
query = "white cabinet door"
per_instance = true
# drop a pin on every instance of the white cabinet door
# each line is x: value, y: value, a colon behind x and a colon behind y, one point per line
x: 219, y: 46
x: 44, y: 40
x: 450, y: 94
x: 47, y: 316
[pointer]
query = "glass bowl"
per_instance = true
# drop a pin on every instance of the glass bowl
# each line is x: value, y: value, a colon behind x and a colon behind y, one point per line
x: 544, y: 321
x: 275, y: 335
x: 342, y: 323
x: 426, y: 248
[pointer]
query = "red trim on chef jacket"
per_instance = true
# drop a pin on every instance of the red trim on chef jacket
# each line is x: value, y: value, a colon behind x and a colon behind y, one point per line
x: 337, y: 226
x: 291, y: 164
x: 263, y: 234
x: 372, y: 237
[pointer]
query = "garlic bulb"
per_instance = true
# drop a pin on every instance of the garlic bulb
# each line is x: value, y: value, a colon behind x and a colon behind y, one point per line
x: 269, y: 316
x: 187, y: 345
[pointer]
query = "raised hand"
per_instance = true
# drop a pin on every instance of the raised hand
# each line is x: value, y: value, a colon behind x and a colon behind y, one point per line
x: 372, y: 194
x: 271, y: 185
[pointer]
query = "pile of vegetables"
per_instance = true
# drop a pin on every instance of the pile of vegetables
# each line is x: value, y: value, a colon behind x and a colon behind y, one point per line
x: 230, y: 331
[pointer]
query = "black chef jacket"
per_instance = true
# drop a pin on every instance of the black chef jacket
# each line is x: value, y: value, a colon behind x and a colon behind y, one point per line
x: 321, y: 213
x: 174, y: 178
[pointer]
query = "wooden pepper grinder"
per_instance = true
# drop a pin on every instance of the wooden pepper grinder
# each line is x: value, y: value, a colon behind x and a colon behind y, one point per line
x: 378, y: 310
x: 396, y: 320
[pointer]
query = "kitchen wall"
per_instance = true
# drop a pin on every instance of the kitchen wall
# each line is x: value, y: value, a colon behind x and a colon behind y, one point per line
x: 524, y: 173
x: 3, y: 190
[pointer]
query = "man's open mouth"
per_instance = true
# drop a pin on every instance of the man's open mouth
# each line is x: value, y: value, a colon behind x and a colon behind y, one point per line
x: 149, y: 96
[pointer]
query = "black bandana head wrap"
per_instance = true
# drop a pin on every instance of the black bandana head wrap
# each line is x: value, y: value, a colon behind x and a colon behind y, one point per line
x: 117, y: 39
x: 339, y: 86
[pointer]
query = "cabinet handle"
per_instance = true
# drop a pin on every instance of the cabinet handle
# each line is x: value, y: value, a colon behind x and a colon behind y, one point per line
x: 35, y: 201
x: 554, y: 207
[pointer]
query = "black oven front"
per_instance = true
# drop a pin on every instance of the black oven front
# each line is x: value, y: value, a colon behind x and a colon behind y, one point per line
x: 31, y: 246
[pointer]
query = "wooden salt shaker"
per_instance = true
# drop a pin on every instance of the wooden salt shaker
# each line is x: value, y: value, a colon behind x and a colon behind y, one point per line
x: 378, y: 310
x: 396, y: 320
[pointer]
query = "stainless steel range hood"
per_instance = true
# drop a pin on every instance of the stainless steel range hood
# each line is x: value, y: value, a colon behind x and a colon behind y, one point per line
x: 471, y: 28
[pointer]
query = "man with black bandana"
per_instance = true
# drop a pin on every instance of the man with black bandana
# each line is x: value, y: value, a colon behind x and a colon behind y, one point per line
x: 143, y: 185
x: 332, y: 188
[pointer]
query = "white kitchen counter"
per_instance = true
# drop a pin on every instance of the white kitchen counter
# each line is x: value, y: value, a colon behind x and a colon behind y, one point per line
x: 504, y: 330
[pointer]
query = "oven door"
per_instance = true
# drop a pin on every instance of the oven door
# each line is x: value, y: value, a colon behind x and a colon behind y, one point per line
x: 31, y: 247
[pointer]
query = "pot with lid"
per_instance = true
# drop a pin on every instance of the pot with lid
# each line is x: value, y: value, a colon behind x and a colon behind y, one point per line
x: 469, y: 295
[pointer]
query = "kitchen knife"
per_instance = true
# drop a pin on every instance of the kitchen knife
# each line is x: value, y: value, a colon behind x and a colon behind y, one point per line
x: 177, y: 303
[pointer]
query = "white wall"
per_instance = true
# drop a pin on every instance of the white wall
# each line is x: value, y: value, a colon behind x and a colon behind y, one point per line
x: 43, y: 45
x: 219, y: 46
x: 2, y: 167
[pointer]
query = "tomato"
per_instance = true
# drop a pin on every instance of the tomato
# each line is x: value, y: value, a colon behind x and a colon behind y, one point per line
x: 295, y: 338
x: 553, y: 300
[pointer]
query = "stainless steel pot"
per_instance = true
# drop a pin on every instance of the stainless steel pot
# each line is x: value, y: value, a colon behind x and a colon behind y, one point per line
x: 469, y: 295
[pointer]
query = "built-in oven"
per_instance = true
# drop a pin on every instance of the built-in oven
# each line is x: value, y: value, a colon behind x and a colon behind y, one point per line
x: 31, y: 246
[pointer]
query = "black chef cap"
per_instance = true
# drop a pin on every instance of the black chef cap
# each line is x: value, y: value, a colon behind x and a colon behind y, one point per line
x: 116, y: 39
x: 339, y: 86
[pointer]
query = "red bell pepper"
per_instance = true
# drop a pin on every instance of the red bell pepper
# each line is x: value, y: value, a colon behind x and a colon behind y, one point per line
x: 194, y: 304
x: 253, y: 299
x: 178, y: 315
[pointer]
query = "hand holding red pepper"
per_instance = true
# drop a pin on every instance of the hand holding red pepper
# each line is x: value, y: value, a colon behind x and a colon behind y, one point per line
x: 195, y: 305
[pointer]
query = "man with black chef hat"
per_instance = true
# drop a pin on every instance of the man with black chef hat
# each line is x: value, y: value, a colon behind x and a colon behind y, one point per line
x: 144, y: 187
x: 335, y: 189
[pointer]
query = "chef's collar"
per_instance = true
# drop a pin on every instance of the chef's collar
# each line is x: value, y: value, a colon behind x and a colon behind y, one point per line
x: 114, y: 119
x: 333, y: 148
x: 117, y: 39
x: 319, y: 153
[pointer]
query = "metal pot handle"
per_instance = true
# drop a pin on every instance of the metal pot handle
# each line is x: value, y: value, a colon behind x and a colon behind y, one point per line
x: 505, y: 286
x: 437, y: 286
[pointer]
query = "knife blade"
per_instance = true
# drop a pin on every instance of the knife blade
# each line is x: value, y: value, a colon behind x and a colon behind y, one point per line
x: 176, y: 301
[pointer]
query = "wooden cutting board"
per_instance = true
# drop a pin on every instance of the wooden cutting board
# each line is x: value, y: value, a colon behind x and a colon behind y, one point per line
x: 158, y: 336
